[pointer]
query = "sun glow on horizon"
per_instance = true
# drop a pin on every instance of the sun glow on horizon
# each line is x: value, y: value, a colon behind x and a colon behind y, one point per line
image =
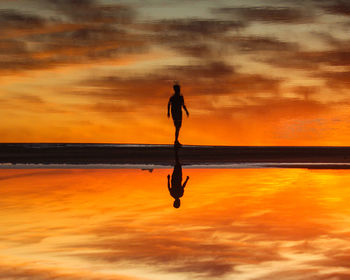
x: 101, y: 71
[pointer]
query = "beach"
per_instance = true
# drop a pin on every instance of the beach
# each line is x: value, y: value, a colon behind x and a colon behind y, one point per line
x: 163, y: 155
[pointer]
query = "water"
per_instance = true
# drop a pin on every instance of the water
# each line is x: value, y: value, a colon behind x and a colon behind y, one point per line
x: 121, y: 224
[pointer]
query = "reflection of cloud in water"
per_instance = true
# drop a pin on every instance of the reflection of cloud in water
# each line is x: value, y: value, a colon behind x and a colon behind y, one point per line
x: 252, y: 224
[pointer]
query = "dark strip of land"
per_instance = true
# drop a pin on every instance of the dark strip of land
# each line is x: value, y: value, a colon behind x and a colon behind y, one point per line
x: 61, y: 153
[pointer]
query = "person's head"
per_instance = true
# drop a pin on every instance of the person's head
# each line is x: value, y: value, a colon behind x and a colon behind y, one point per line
x: 176, y: 88
x: 176, y: 203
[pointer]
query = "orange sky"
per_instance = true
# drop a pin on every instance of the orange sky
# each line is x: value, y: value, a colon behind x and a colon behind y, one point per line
x: 247, y: 223
x: 252, y: 72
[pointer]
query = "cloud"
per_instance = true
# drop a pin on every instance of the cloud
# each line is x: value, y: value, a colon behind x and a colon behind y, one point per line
x: 335, y: 79
x: 11, y: 47
x: 310, y: 60
x: 263, y: 229
x: 337, y: 7
x: 27, y: 271
x: 336, y: 258
x: 12, y: 19
x: 34, y: 42
x: 266, y: 14
x: 206, y: 53
x: 88, y: 43
x: 212, y: 38
x: 89, y: 11
x: 195, y: 27
x: 31, y: 103
x: 174, y: 251
x: 304, y: 274
x: 219, y: 242
x: 193, y: 48
x: 193, y: 37
x: 214, y: 243
x: 211, y: 70
x: 235, y: 84
x: 260, y: 43
x: 233, y: 44
x: 213, y: 78
x: 306, y: 91
x: 336, y: 53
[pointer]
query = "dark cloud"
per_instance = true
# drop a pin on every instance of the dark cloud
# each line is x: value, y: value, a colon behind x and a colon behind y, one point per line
x: 193, y: 37
x: 266, y: 14
x: 260, y: 43
x: 310, y: 60
x: 196, y: 27
x: 163, y: 78
x: 339, y: 7
x: 10, y: 47
x: 239, y: 83
x: 85, y: 36
x: 331, y: 40
x: 90, y: 42
x: 193, y: 48
x: 52, y: 42
x: 335, y: 79
x: 133, y: 89
x: 293, y: 60
x: 336, y: 54
x: 24, y: 62
x: 89, y: 11
x: 212, y: 39
x: 340, y: 57
x: 212, y: 78
x: 12, y: 19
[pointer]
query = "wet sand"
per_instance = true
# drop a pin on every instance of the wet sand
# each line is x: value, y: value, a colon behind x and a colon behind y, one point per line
x: 163, y: 155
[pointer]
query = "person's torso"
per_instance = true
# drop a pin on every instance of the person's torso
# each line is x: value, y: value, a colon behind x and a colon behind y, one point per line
x: 176, y: 103
x: 177, y: 192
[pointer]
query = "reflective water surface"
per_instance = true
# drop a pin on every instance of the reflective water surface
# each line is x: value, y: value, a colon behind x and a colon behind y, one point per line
x: 121, y: 224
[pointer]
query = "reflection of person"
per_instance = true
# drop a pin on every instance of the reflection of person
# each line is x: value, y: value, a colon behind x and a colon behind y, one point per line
x: 177, y: 188
x: 176, y: 102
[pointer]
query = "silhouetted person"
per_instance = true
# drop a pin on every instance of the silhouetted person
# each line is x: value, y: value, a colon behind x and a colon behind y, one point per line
x: 176, y: 102
x: 177, y: 188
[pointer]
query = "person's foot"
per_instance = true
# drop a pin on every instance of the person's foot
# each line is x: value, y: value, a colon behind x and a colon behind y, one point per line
x: 177, y: 144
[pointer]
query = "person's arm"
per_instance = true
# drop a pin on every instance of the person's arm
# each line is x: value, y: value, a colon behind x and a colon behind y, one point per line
x: 183, y: 105
x: 169, y: 183
x: 169, y: 108
x: 184, y: 185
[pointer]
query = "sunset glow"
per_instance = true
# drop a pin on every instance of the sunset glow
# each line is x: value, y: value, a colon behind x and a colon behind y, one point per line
x: 252, y: 72
x: 95, y: 184
x: 251, y: 224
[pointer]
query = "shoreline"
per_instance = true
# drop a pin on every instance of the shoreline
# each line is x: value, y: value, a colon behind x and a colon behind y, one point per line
x: 87, y: 155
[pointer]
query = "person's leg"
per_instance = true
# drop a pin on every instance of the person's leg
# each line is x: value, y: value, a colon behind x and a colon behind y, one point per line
x: 177, y: 124
x: 177, y: 131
